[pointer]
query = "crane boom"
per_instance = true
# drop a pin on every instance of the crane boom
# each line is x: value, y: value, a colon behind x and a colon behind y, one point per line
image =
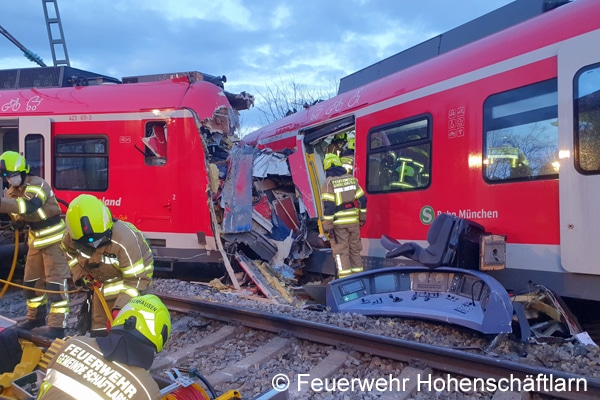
x: 28, y: 53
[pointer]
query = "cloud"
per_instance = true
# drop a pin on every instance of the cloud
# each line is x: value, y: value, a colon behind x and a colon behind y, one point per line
x: 253, y: 43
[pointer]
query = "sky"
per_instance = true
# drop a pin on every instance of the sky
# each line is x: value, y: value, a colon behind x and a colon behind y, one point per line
x: 254, y: 43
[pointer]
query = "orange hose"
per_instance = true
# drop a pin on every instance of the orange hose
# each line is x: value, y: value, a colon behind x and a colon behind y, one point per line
x: 14, y: 265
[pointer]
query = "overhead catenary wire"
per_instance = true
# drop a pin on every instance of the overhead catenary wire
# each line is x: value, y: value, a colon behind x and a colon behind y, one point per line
x: 28, y: 53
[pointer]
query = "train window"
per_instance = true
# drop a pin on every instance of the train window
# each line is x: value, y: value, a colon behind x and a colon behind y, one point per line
x: 34, y: 153
x: 521, y: 133
x: 587, y: 120
x: 399, y: 156
x: 155, y: 141
x: 81, y: 163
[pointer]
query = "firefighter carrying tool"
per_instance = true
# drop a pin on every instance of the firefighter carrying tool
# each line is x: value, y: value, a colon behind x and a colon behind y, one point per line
x: 30, y: 202
x: 344, y: 213
x: 110, y: 251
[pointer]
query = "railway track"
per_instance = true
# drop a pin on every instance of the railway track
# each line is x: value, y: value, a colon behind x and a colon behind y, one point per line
x: 246, y: 349
x: 435, y: 364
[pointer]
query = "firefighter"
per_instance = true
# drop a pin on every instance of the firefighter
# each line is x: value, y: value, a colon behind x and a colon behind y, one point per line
x: 344, y: 207
x: 347, y: 157
x: 107, y: 253
x: 84, y: 367
x: 337, y: 144
x: 30, y: 202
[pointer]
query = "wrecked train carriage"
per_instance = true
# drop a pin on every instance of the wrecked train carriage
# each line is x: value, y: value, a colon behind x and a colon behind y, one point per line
x: 264, y: 215
x: 144, y: 148
x: 451, y: 135
x: 271, y: 201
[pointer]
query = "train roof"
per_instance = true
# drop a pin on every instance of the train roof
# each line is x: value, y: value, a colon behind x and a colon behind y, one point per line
x: 121, y: 98
x: 544, y: 30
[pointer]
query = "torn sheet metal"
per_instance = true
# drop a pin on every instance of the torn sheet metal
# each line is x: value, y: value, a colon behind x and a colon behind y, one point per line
x: 258, y: 243
x: 269, y: 163
x: 224, y: 120
x: 300, y: 168
x: 554, y: 321
x: 285, y: 210
x: 240, y: 101
x: 264, y: 280
x: 236, y: 198
x: 157, y: 141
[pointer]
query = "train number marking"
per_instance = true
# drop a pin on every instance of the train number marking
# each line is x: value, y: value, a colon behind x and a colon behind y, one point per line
x: 81, y: 117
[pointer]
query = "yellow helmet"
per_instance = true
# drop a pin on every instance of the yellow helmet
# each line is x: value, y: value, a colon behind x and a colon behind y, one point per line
x: 89, y: 221
x: 331, y: 160
x: 340, y: 137
x: 148, y: 316
x: 12, y: 163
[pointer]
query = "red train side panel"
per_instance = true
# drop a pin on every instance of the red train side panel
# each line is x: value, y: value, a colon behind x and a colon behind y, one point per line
x: 502, y: 131
x: 141, y: 148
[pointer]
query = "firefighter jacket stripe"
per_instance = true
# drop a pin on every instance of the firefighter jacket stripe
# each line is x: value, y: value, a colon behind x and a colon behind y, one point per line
x: 48, y: 236
x: 66, y: 384
x: 34, y: 204
x: 344, y: 201
x: 80, y: 371
x: 60, y: 307
x: 38, y: 301
x: 124, y: 266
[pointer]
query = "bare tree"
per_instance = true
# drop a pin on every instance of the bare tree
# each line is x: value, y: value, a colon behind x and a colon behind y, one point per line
x: 283, y: 98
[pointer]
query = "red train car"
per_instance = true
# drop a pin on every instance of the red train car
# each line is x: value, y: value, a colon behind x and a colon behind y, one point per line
x: 504, y: 131
x: 145, y: 149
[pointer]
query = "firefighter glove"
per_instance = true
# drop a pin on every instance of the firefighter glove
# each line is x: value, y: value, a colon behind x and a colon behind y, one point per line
x: 17, y: 225
x: 89, y: 281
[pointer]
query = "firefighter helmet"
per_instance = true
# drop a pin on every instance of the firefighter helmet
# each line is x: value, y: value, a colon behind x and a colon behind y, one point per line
x: 340, y: 137
x: 149, y: 317
x: 89, y: 221
x: 12, y: 163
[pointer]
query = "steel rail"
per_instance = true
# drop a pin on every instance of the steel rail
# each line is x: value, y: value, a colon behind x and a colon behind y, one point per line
x: 538, y: 379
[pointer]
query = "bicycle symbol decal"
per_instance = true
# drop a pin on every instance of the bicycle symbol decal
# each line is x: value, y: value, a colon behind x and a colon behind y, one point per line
x: 13, y: 105
x: 354, y: 99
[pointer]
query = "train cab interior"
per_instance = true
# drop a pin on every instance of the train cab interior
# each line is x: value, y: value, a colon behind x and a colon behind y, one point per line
x: 399, y: 156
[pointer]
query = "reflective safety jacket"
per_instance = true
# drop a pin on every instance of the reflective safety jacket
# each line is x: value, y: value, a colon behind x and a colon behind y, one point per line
x: 344, y: 202
x: 348, y: 163
x: 124, y: 266
x: 35, y: 205
x: 79, y: 371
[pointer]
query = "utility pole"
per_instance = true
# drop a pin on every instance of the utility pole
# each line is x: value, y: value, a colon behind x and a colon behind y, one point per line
x: 53, y: 21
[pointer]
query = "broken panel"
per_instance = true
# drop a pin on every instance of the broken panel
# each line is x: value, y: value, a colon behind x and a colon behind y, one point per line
x: 236, y: 198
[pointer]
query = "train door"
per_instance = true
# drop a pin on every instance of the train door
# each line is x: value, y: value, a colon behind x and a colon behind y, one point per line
x: 579, y: 144
x: 34, y: 143
x: 333, y: 137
